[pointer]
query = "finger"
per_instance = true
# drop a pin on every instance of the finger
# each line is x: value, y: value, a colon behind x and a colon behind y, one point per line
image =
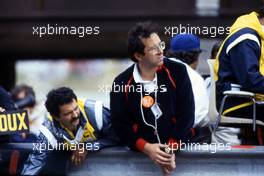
x: 174, y: 160
x: 80, y: 161
x: 84, y: 158
x: 163, y: 145
x: 83, y: 155
x: 174, y: 156
x: 164, y: 154
x: 156, y: 163
x: 163, y: 159
x: 72, y: 158
x: 163, y: 164
x: 76, y: 161
x: 166, y: 171
x: 173, y: 165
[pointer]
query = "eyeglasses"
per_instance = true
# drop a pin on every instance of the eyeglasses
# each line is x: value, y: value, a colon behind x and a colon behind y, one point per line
x: 156, y: 48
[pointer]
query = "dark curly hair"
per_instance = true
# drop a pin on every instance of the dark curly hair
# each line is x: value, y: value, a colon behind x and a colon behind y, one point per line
x: 215, y: 49
x: 140, y: 30
x: 186, y: 57
x: 57, y: 98
x: 15, y: 91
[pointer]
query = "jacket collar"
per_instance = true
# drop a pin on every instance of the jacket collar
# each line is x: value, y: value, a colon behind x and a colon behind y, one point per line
x: 138, y: 79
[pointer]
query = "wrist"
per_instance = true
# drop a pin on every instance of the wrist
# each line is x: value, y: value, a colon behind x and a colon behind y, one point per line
x: 146, y: 148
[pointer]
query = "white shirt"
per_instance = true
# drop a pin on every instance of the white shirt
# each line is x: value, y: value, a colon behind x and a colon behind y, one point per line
x: 149, y: 86
x: 201, y: 99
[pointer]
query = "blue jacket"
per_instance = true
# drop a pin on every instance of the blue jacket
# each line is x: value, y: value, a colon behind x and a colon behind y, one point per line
x: 6, y: 101
x: 52, y: 134
x: 240, y: 60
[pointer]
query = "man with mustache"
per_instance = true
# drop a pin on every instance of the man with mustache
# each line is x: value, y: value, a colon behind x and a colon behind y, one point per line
x: 77, y: 124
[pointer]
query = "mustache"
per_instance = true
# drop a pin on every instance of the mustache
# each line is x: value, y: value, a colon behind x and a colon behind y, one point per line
x: 75, y: 118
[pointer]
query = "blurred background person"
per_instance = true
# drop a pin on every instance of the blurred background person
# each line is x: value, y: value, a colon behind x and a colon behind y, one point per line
x: 185, y: 48
x: 213, y: 55
x: 239, y: 66
x: 6, y: 102
x: 24, y: 97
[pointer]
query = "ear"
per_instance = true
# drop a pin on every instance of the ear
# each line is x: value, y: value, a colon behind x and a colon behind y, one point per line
x: 138, y: 56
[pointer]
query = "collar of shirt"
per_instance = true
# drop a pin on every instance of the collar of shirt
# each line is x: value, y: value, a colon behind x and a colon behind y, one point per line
x: 149, y: 86
x: 138, y: 78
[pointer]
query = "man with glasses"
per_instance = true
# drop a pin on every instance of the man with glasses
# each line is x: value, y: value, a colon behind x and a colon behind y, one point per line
x: 152, y: 102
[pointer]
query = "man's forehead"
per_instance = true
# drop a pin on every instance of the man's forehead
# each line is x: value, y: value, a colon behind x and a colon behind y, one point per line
x: 153, y: 38
x: 68, y: 106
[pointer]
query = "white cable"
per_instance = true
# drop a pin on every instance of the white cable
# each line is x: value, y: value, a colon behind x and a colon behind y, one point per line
x: 143, y: 117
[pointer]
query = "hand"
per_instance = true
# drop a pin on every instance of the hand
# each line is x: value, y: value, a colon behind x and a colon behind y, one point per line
x: 78, y: 156
x: 24, y: 135
x: 2, y: 109
x: 158, y: 156
x: 168, y: 169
